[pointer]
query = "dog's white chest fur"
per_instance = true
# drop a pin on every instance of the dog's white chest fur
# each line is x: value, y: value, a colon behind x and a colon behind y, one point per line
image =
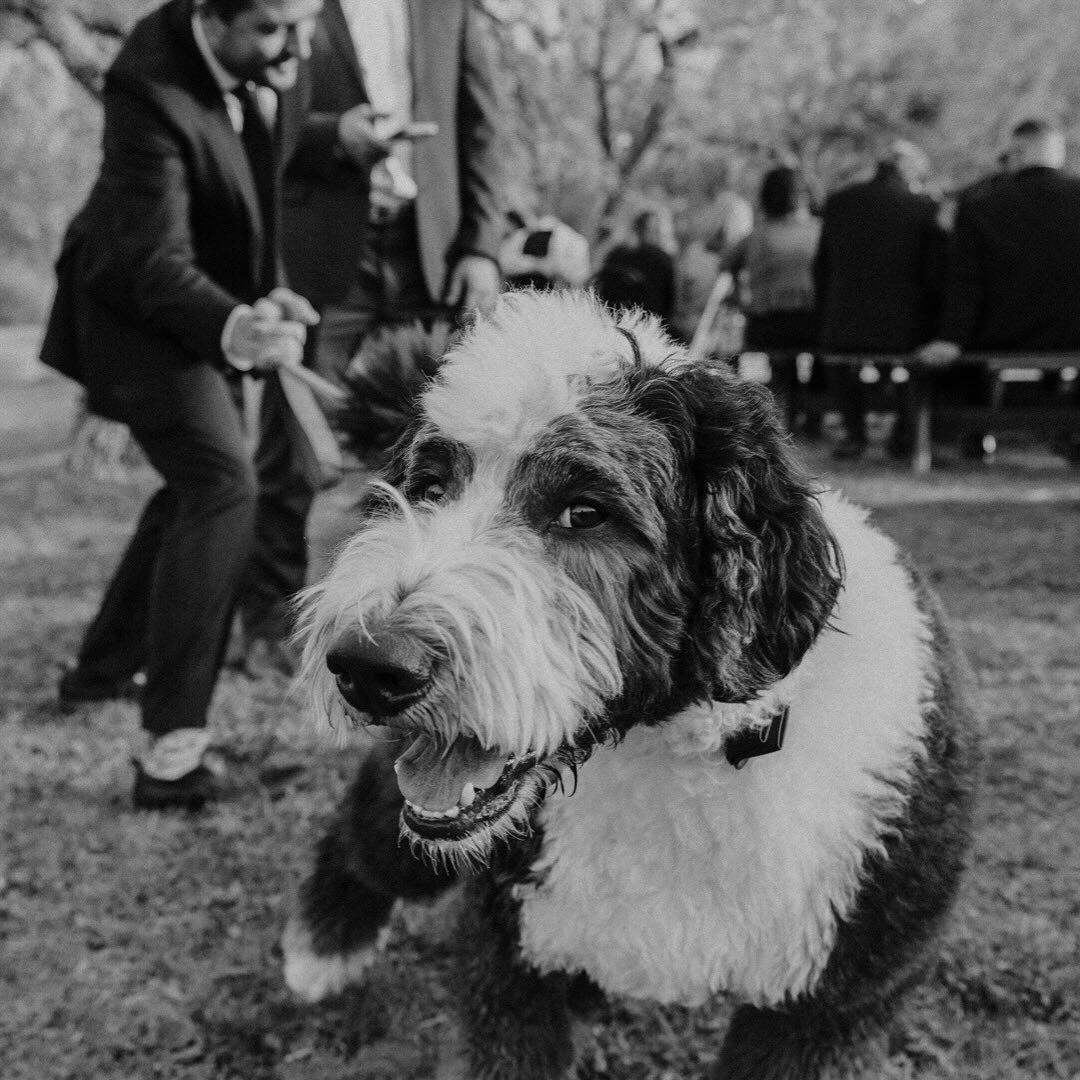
x: 671, y: 875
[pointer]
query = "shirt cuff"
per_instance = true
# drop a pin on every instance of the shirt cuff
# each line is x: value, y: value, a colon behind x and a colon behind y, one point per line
x: 236, y: 361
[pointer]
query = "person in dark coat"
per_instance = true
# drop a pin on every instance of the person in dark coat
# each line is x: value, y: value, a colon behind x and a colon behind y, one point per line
x: 394, y: 203
x: 640, y: 273
x: 1015, y: 260
x: 878, y: 276
x: 169, y: 286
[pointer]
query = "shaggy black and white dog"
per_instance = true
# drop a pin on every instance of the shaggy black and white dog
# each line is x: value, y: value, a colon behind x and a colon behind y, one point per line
x: 593, y: 595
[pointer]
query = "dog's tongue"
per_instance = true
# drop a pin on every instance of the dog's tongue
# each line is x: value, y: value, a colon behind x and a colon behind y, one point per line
x: 431, y: 773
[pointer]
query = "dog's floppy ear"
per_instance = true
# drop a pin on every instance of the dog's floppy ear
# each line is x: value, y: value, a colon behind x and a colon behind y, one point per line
x: 769, y: 568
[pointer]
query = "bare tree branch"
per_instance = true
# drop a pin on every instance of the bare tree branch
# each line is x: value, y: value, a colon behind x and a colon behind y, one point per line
x: 662, y: 96
x: 601, y: 89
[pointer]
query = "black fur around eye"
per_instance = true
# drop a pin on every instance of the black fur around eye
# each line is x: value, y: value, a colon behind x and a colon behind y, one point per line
x: 581, y: 516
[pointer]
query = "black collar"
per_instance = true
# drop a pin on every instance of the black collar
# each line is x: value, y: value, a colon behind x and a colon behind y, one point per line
x: 757, y: 741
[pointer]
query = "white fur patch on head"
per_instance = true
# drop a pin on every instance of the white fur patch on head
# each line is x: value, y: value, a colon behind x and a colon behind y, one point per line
x: 530, y: 361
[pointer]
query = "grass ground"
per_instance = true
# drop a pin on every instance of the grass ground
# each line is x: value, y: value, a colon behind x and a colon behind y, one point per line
x: 144, y: 946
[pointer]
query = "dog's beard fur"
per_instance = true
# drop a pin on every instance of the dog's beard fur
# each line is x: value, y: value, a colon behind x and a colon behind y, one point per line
x: 525, y: 659
x: 714, y: 576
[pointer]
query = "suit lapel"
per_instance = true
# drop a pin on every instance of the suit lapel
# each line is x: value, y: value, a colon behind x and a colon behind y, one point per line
x: 435, y: 27
x: 337, y: 29
x: 417, y: 56
x: 220, y: 133
x: 231, y: 145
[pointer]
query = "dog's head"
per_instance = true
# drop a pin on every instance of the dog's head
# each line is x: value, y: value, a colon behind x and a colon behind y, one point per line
x: 581, y: 531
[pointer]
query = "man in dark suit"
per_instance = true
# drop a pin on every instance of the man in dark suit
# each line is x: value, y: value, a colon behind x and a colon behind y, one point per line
x: 393, y: 202
x: 170, y: 286
x: 877, y: 276
x: 1015, y: 260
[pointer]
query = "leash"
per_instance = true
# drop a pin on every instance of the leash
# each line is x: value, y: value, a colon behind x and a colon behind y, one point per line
x: 324, y: 388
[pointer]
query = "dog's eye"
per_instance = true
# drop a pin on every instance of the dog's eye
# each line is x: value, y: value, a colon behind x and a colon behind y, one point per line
x: 425, y: 487
x: 581, y: 516
x: 431, y: 490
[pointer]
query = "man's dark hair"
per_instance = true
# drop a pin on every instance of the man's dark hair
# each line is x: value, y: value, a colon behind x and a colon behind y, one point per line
x: 779, y: 192
x: 225, y: 10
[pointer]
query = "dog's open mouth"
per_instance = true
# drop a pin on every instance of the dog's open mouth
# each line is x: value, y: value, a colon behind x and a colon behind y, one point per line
x: 453, y: 788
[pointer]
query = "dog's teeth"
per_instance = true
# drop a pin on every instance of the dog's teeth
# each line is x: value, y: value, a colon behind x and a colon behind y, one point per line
x: 467, y: 796
x: 434, y: 815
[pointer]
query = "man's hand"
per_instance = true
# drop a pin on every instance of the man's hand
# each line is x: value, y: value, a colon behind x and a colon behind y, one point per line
x: 937, y: 354
x: 271, y: 334
x: 473, y: 284
x: 357, y: 137
x: 293, y: 306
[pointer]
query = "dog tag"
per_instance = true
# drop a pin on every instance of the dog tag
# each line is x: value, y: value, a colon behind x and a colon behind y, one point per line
x: 758, y: 741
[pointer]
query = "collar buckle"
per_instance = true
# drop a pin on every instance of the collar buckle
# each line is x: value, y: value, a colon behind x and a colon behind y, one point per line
x: 757, y: 741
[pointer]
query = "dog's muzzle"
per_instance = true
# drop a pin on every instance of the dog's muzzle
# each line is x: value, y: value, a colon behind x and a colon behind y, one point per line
x: 451, y: 783
x: 381, y: 677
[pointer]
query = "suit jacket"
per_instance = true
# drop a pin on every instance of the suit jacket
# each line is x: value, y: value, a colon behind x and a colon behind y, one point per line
x: 458, y: 171
x: 638, y: 276
x: 171, y: 237
x: 1015, y: 263
x: 878, y: 267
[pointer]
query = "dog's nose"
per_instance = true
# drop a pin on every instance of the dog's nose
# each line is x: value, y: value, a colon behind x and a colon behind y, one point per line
x: 381, y: 676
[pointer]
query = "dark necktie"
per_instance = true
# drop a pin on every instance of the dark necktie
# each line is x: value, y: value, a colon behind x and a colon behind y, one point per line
x: 262, y: 157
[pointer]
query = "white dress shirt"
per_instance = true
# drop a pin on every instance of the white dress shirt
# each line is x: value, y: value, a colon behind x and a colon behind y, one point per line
x: 381, y: 36
x: 265, y: 97
x: 266, y: 100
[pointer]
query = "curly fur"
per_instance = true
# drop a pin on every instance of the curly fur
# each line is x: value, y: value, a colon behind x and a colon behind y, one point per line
x: 599, y: 562
x: 384, y: 380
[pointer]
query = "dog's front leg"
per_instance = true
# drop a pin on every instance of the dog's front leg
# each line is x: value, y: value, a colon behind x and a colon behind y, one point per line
x: 804, y: 1042
x: 361, y: 869
x: 516, y: 1023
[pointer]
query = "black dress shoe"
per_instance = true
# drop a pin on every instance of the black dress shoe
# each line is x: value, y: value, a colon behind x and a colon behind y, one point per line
x: 1067, y: 444
x: 76, y: 689
x: 192, y: 791
x: 898, y: 445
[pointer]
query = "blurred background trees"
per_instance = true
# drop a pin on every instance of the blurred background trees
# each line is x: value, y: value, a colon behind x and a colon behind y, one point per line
x: 613, y: 102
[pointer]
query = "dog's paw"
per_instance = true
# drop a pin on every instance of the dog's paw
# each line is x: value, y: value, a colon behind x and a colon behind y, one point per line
x: 313, y: 977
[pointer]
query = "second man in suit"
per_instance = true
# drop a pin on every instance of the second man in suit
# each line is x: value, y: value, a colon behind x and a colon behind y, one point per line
x: 393, y: 206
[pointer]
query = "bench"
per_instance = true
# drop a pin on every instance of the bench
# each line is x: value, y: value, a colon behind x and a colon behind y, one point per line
x: 1001, y: 368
